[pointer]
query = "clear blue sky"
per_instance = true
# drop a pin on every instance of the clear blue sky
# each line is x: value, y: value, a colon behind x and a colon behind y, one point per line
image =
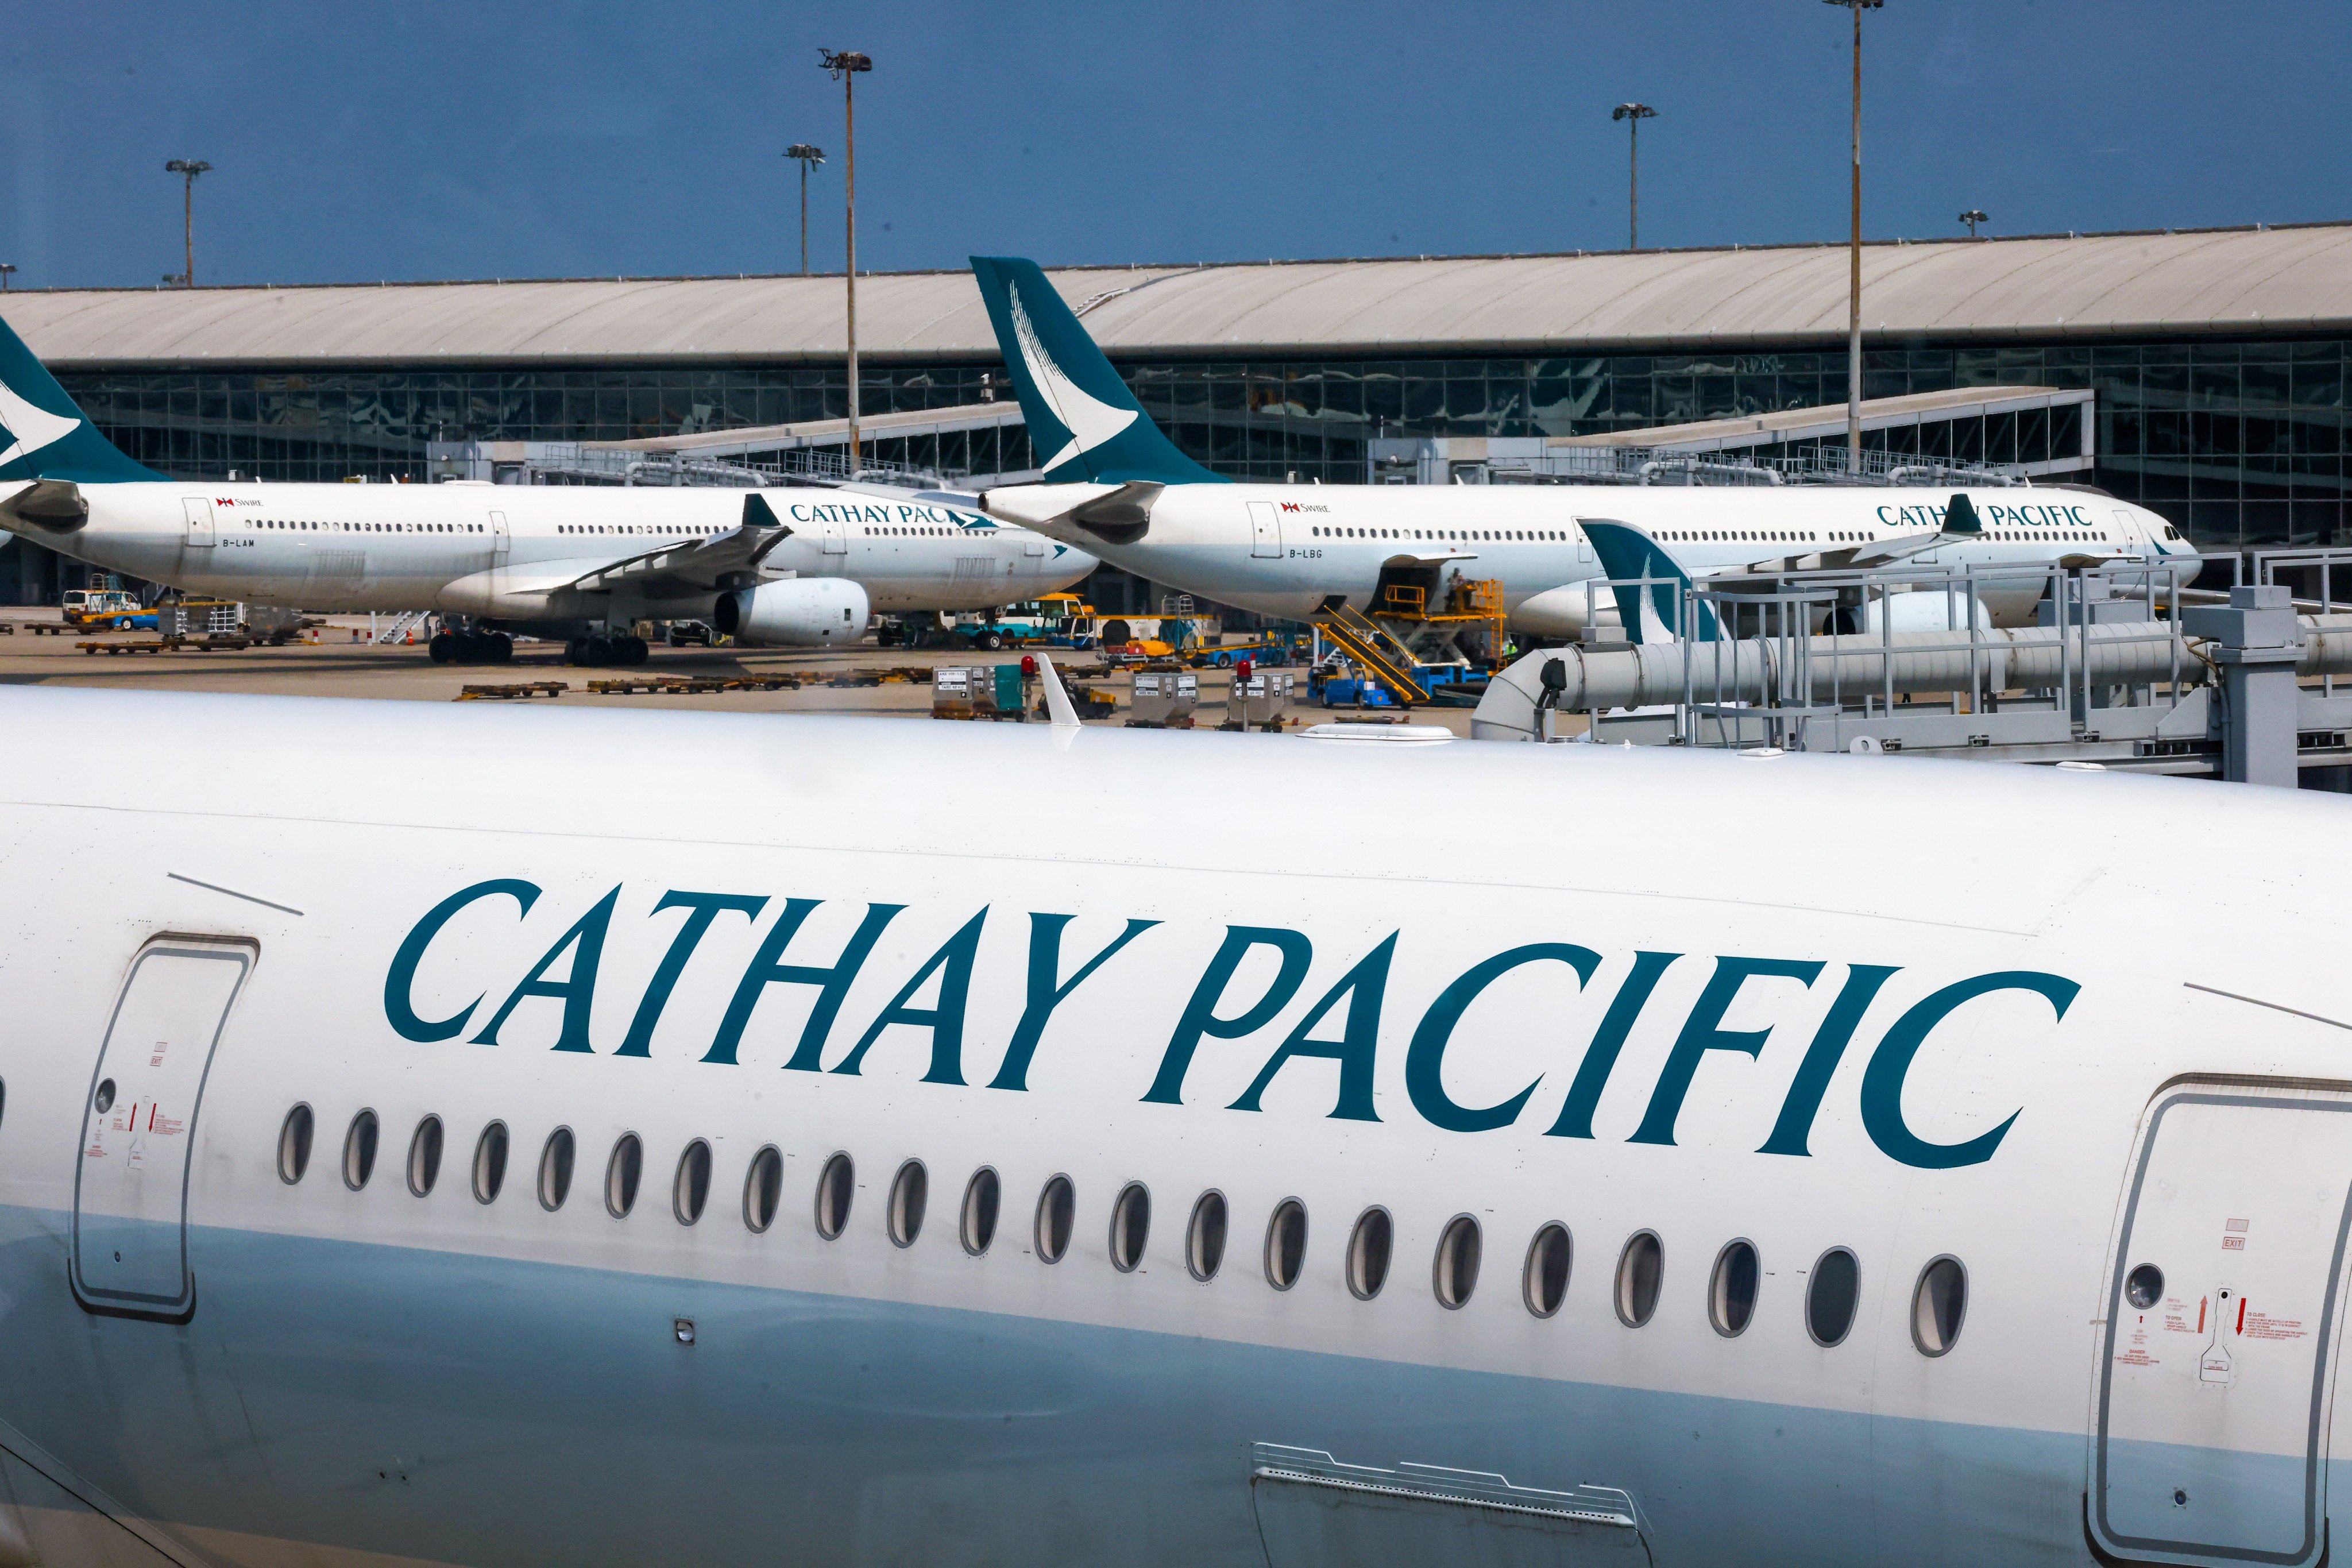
x: 432, y: 140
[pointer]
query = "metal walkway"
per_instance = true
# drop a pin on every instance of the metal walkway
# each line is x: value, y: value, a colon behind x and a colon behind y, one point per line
x: 2122, y: 669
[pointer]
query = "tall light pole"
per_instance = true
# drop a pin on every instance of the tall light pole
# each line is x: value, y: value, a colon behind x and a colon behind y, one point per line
x: 1973, y: 218
x: 807, y: 155
x: 1853, y: 291
x: 1633, y: 113
x: 844, y: 65
x: 188, y: 169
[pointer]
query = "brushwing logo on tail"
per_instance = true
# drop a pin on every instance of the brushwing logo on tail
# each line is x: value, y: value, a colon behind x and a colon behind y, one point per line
x: 1650, y: 611
x: 29, y: 428
x: 1088, y: 419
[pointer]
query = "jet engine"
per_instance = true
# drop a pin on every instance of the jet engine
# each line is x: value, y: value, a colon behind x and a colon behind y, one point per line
x: 799, y: 611
x: 1921, y: 610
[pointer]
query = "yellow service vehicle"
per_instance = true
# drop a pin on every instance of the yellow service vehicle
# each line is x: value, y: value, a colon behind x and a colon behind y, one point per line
x: 98, y: 609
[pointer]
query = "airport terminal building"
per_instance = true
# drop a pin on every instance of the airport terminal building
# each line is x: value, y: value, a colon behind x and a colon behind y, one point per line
x: 2215, y: 364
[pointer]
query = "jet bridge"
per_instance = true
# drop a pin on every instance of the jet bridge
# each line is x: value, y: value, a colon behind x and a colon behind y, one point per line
x: 2126, y: 670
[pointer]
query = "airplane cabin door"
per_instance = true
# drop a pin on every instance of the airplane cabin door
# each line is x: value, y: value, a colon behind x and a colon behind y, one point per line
x: 501, y: 540
x: 836, y: 533
x: 1265, y: 530
x: 2209, y: 1438
x: 130, y: 1176
x: 199, y: 512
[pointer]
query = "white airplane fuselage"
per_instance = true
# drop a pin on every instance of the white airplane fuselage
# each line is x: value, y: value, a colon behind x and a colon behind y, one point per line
x: 509, y: 552
x: 2038, y: 1073
x: 1287, y: 550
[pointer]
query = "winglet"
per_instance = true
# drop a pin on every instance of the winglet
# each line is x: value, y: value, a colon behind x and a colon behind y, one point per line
x: 1655, y: 615
x: 1960, y: 515
x: 1058, y: 701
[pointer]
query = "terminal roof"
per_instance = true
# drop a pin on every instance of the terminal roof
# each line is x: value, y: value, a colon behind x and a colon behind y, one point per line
x: 2234, y: 281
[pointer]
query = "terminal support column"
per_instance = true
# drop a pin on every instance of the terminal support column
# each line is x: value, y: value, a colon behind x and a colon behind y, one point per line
x: 2259, y: 642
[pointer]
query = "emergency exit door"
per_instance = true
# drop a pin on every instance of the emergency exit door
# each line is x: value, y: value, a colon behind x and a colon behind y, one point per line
x: 501, y: 540
x: 131, y: 1178
x: 1265, y: 529
x: 199, y: 513
x: 2210, y: 1432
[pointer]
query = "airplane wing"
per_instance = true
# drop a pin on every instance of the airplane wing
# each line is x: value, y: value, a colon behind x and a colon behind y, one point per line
x: 1960, y: 524
x: 701, y: 565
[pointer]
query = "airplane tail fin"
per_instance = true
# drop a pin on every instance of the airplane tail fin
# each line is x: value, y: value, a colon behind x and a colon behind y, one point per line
x: 43, y: 435
x: 1650, y: 612
x: 1086, y: 427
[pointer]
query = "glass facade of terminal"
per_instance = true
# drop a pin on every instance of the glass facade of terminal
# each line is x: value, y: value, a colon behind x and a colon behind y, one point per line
x: 2242, y: 443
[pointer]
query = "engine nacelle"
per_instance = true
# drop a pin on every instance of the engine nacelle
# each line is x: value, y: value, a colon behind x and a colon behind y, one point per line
x: 799, y: 611
x: 1921, y: 610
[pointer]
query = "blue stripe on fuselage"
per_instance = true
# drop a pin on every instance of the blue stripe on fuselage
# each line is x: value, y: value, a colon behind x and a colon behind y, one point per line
x: 468, y: 1409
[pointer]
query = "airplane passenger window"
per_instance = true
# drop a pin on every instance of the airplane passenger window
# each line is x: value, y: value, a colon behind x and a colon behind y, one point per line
x: 621, y: 1173
x: 1455, y: 1273
x: 1204, y: 1237
x: 1832, y: 1297
x: 1938, y: 1306
x: 1285, y: 1244
x: 835, y: 1185
x: 490, y: 1163
x: 294, y: 1145
x: 910, y: 1195
x: 424, y: 1156
x: 555, y: 1169
x: 1731, y: 1291
x: 690, y: 1188
x: 982, y: 1196
x: 1058, y: 1208
x: 763, y: 1189
x: 1543, y: 1281
x: 1641, y: 1269
x: 359, y: 1151
x: 1130, y: 1226
x: 1369, y: 1247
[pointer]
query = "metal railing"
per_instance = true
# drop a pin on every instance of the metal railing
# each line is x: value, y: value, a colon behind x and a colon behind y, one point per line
x: 1820, y: 647
x: 2316, y: 565
x: 604, y: 465
x: 1815, y: 465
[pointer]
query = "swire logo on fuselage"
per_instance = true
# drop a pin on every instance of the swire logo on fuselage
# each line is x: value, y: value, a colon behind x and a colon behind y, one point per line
x: 1213, y: 1011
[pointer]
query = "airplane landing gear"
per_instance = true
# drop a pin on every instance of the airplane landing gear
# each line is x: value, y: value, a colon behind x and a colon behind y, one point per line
x: 599, y: 652
x: 470, y: 648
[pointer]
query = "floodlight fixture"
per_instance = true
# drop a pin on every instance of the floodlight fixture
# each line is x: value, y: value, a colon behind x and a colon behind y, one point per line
x: 844, y: 65
x: 1634, y: 115
x: 1853, y: 279
x: 808, y: 156
x: 187, y: 169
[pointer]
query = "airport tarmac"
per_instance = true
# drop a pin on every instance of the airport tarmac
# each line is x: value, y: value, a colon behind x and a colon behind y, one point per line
x: 338, y: 666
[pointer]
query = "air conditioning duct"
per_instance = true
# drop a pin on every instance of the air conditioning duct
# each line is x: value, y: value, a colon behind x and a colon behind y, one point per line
x: 799, y: 611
